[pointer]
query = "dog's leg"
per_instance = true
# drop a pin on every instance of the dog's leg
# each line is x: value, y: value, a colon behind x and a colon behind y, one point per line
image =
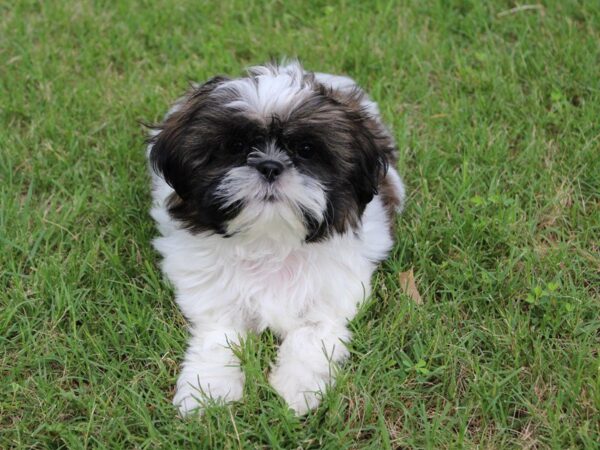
x: 210, y: 368
x: 307, y: 361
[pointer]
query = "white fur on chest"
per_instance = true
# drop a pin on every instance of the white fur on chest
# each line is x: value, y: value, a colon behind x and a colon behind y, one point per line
x: 269, y: 282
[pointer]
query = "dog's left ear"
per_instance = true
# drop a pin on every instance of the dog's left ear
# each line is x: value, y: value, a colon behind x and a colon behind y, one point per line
x: 371, y: 163
x: 373, y: 145
x: 177, y: 148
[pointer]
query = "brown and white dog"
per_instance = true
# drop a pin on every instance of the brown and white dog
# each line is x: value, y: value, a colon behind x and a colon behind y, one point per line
x: 275, y: 195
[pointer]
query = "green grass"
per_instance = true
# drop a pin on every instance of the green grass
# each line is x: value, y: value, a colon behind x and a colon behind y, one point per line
x: 497, y: 117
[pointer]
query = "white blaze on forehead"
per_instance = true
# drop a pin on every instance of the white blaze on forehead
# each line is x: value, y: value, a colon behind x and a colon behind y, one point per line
x: 270, y: 91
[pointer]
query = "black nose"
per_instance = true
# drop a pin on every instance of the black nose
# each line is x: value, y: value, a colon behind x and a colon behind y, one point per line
x: 270, y: 169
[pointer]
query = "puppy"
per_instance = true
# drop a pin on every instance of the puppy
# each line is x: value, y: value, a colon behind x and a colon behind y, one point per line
x: 275, y: 196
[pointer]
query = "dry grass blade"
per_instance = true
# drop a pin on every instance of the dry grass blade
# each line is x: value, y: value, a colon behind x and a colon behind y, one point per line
x: 518, y: 9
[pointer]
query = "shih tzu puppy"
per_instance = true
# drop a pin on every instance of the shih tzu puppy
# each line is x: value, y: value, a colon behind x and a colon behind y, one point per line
x: 275, y: 195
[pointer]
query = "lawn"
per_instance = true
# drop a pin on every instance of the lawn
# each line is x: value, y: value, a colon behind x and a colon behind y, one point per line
x: 496, y: 111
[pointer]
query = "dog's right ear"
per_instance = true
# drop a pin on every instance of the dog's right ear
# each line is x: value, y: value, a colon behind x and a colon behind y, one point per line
x: 174, y: 149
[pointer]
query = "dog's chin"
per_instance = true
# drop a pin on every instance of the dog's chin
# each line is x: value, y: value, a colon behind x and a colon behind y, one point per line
x: 281, y: 210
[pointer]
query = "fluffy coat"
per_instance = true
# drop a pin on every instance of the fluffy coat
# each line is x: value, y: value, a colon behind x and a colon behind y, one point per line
x: 292, y: 256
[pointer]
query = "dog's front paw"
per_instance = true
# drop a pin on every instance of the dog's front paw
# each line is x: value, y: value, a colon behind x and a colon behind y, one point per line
x: 193, y: 392
x: 300, y: 387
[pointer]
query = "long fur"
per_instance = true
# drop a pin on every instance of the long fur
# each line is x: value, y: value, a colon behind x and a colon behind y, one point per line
x: 295, y: 254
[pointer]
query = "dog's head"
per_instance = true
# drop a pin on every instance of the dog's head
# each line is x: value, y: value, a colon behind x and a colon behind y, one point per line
x: 273, y: 152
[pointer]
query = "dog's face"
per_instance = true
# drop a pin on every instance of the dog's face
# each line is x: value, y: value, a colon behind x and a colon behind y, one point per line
x: 274, y: 152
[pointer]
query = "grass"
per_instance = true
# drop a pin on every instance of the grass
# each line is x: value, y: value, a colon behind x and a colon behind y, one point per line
x: 496, y: 113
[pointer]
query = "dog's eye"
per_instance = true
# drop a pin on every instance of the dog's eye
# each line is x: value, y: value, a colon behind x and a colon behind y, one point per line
x: 304, y: 150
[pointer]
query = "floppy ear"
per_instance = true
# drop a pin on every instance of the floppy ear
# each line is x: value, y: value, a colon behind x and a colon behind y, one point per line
x: 173, y: 152
x: 373, y: 146
x: 370, y: 162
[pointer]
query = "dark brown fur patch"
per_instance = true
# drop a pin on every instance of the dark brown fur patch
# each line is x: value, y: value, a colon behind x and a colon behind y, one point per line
x: 391, y: 201
x: 386, y: 189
